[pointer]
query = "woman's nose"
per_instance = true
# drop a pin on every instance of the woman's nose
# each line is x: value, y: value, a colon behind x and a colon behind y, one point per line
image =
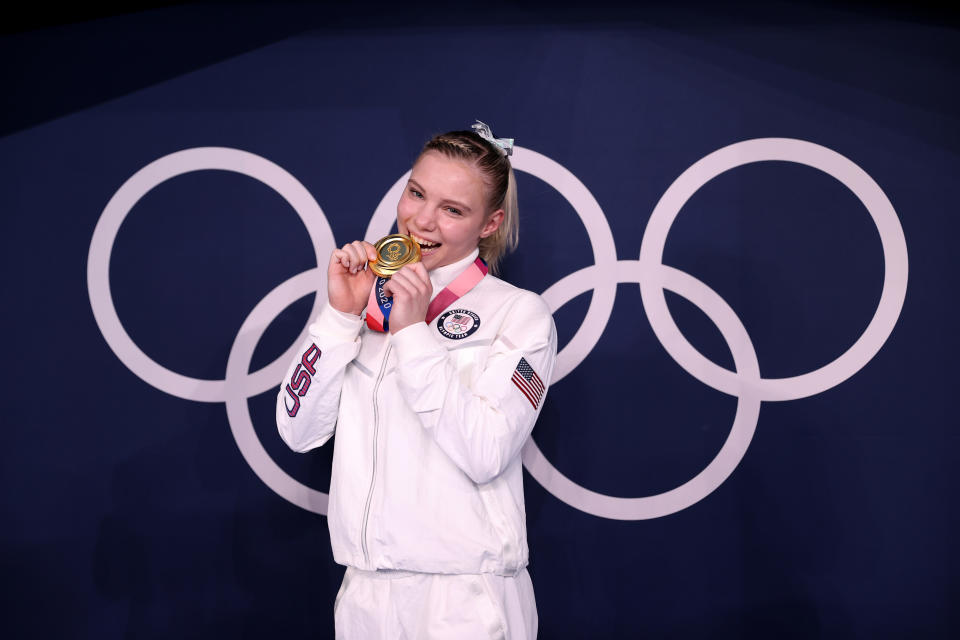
x: 426, y: 218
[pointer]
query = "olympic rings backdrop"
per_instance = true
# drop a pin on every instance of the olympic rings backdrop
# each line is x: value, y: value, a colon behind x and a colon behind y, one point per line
x: 745, y: 231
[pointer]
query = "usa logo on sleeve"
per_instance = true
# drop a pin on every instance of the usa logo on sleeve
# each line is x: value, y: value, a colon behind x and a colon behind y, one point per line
x: 529, y: 383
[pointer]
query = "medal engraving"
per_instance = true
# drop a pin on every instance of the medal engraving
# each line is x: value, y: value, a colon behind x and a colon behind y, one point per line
x: 393, y: 252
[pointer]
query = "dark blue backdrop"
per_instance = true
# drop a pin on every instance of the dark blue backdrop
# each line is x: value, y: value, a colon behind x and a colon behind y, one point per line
x: 128, y: 511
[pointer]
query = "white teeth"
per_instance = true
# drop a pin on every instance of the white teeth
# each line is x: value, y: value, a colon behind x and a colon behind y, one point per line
x: 424, y: 243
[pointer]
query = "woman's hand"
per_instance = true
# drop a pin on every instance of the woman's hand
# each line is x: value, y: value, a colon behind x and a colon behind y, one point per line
x: 411, y: 291
x: 348, y: 279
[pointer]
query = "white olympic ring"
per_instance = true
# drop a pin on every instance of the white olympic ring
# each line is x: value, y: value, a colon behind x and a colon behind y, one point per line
x: 229, y: 389
x: 744, y: 382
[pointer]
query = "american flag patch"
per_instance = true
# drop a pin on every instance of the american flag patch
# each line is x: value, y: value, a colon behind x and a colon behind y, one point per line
x: 527, y: 380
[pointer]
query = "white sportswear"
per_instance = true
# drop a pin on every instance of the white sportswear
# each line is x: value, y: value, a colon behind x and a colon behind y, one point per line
x: 427, y: 475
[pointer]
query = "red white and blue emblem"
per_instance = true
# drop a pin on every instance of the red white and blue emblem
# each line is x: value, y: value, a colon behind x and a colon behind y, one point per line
x: 529, y: 383
x: 457, y: 324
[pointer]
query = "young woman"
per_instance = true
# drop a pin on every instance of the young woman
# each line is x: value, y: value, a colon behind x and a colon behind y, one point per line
x: 431, y: 399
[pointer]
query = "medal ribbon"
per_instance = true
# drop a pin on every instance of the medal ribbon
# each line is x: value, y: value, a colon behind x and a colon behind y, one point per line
x: 379, y: 305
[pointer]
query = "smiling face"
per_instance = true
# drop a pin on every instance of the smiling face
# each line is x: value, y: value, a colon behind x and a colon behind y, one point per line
x: 445, y: 209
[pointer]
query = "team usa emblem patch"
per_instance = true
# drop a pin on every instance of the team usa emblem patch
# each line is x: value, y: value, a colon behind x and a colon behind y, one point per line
x: 457, y: 324
x: 529, y: 383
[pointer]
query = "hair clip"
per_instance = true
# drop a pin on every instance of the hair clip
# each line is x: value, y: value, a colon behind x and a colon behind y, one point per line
x: 504, y: 144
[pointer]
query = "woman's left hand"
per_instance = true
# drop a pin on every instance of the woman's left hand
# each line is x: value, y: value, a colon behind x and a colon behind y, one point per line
x: 411, y: 291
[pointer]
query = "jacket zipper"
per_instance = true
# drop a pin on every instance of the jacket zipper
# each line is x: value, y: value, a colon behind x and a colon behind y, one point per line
x: 373, y: 475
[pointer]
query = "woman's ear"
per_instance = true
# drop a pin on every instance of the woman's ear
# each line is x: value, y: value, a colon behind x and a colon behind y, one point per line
x: 492, y: 223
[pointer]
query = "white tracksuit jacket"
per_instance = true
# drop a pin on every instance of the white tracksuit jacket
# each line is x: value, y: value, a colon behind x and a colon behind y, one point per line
x: 427, y: 474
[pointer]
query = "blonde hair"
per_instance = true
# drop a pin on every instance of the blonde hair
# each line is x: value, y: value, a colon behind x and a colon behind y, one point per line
x: 501, y: 186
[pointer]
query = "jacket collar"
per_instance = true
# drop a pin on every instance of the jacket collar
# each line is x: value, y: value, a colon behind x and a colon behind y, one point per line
x: 442, y: 276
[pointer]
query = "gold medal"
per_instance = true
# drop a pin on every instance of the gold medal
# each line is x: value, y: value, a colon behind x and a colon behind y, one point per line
x: 393, y: 252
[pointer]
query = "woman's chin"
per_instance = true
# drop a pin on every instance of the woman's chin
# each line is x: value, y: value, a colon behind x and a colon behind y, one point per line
x: 431, y: 258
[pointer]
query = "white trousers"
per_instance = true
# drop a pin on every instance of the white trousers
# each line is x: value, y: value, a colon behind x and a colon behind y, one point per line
x: 395, y: 605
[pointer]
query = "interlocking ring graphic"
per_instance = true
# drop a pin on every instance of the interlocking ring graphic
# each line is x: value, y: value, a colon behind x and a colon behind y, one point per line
x: 744, y: 382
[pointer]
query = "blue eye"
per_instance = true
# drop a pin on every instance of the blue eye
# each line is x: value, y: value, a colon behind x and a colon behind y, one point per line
x: 454, y: 211
x: 415, y: 193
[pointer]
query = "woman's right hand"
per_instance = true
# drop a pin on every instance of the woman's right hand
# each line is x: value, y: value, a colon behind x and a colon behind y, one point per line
x: 349, y: 279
